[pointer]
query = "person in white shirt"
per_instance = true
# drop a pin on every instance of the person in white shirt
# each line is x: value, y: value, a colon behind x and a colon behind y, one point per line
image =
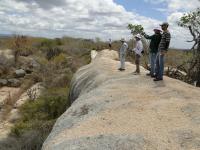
x: 122, y: 54
x: 138, y: 53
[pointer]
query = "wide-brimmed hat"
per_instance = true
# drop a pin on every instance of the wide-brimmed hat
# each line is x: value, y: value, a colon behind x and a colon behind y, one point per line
x: 138, y: 36
x: 122, y: 40
x: 157, y: 29
x: 164, y: 24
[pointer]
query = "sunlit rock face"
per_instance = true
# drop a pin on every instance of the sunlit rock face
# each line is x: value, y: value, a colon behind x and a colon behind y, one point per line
x: 113, y: 110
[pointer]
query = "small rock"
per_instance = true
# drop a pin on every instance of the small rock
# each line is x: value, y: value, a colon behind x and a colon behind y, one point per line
x: 3, y: 82
x: 14, y: 82
x: 7, y: 58
x: 28, y: 64
x: 14, y: 116
x: 20, y: 73
x: 35, y: 64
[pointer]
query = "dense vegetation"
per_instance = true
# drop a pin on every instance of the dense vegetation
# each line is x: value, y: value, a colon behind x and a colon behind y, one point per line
x: 191, y: 21
x: 58, y: 59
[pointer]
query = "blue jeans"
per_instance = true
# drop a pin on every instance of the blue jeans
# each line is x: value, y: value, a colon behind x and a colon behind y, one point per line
x: 153, y: 63
x: 159, y: 66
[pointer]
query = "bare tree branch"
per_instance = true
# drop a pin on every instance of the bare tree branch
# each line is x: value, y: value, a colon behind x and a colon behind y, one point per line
x: 191, y: 31
x: 194, y: 45
x: 191, y: 40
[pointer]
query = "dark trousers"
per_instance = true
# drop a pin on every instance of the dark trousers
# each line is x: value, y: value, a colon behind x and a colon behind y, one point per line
x: 110, y: 46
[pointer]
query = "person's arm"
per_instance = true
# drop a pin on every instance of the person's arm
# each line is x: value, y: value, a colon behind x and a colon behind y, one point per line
x: 148, y: 37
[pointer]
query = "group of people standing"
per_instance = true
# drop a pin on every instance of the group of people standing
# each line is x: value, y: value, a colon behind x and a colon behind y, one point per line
x: 159, y: 45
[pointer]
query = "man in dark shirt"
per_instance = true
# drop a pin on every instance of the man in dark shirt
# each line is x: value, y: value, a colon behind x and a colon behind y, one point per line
x: 162, y: 50
x: 155, y: 41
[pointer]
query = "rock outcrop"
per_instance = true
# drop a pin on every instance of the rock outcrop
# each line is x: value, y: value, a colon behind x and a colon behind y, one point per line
x: 20, y: 73
x: 7, y: 95
x: 7, y: 57
x: 115, y: 110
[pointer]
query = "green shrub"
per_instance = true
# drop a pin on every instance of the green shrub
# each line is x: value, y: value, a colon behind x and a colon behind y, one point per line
x: 58, y: 59
x: 58, y: 41
x: 48, y: 43
x: 42, y: 112
x: 31, y: 140
x: 52, y: 52
x: 37, y: 120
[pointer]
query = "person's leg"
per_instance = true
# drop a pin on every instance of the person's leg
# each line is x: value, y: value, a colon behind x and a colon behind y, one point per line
x: 153, y: 63
x: 157, y: 65
x: 137, y: 62
x: 122, y: 61
x: 138, y: 68
x: 161, y: 64
x: 150, y: 55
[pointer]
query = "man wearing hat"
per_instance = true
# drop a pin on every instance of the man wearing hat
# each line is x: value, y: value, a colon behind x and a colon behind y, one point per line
x: 122, y: 54
x: 162, y: 50
x: 138, y: 53
x: 155, y: 41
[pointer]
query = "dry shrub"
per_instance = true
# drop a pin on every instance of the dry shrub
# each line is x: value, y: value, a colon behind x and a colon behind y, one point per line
x: 31, y: 140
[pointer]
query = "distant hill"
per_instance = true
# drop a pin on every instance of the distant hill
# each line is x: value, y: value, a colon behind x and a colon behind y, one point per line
x: 5, y: 36
x: 178, y: 49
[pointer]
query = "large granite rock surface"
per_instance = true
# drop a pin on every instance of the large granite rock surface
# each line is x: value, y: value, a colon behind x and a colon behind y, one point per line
x: 115, y: 110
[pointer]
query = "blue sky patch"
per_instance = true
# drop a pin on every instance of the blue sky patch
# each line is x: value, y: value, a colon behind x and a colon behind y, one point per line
x: 145, y: 8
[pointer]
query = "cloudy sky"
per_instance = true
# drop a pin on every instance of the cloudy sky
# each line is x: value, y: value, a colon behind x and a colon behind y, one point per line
x: 93, y: 18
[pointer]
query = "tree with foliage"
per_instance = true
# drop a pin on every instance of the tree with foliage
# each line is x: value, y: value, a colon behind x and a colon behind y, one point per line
x: 136, y: 29
x: 191, y: 21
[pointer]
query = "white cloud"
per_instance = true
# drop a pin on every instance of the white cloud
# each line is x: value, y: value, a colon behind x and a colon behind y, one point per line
x: 183, y: 5
x: 12, y: 5
x: 88, y: 19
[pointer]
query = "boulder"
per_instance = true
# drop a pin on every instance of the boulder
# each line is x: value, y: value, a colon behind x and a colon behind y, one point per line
x: 28, y: 64
x: 14, y: 82
x: 115, y: 110
x: 3, y: 82
x: 14, y: 116
x: 7, y: 58
x: 20, y: 73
